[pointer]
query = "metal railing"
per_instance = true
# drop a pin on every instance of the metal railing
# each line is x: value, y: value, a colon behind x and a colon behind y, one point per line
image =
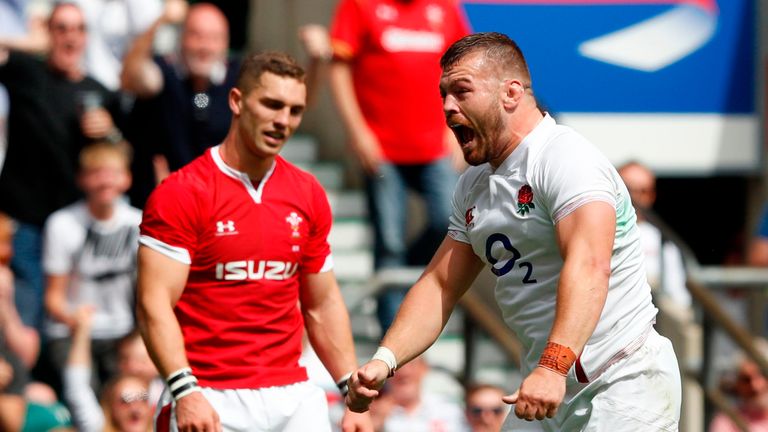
x: 482, y: 313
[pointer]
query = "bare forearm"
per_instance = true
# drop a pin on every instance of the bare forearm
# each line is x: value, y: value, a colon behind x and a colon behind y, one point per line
x: 328, y: 329
x: 22, y: 340
x: 138, y: 71
x: 418, y: 322
x: 162, y: 335
x: 340, y: 77
x: 581, y: 296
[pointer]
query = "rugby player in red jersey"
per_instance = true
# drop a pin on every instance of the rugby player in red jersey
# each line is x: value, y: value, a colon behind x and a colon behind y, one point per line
x: 234, y: 263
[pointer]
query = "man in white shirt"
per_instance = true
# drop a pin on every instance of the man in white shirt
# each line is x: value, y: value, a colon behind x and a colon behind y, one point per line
x: 663, y: 260
x: 551, y: 217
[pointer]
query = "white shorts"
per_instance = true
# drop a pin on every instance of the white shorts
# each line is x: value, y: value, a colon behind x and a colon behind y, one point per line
x: 639, y: 393
x: 293, y: 408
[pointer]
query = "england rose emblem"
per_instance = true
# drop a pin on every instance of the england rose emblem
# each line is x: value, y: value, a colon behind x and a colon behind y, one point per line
x: 525, y: 200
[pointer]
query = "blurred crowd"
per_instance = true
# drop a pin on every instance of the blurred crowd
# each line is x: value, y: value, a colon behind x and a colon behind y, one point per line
x: 101, y: 100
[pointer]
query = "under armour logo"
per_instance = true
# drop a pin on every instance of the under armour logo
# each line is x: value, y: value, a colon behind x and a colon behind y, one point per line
x: 225, y: 227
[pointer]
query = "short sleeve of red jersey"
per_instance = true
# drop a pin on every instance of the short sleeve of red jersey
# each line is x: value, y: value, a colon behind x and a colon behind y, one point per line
x: 317, y: 253
x: 347, y: 30
x: 169, y: 221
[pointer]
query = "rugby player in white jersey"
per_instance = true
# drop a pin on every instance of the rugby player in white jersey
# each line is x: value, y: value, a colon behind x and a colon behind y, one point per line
x: 551, y: 217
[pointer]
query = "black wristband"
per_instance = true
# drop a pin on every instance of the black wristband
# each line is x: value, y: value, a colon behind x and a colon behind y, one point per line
x: 181, y: 389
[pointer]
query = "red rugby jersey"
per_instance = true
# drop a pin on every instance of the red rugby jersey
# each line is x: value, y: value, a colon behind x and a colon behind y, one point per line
x: 247, y: 246
x: 394, y: 50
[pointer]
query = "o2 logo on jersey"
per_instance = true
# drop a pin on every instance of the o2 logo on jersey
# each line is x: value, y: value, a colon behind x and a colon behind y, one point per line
x: 509, y: 265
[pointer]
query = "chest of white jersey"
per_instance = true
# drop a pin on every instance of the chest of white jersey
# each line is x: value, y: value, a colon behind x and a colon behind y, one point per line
x: 509, y: 217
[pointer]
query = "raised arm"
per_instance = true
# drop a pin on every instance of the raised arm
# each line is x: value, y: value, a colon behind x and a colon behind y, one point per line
x: 317, y: 45
x: 329, y: 332
x: 161, y: 281
x: 585, y: 238
x: 141, y: 75
x: 76, y: 376
x: 422, y: 316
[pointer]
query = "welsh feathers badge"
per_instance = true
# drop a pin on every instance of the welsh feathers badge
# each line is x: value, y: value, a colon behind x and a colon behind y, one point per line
x: 525, y: 200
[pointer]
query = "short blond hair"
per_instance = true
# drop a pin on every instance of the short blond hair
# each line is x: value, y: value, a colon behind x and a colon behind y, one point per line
x: 93, y: 154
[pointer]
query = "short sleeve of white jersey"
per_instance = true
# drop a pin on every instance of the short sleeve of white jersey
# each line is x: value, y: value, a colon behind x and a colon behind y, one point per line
x: 457, y: 225
x: 59, y: 242
x: 571, y: 173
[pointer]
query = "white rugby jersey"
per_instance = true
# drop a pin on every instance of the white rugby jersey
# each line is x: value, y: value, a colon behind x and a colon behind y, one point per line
x: 509, y: 216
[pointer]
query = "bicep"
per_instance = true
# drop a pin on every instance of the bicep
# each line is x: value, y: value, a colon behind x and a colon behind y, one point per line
x: 160, y: 276
x: 317, y: 288
x: 588, y: 232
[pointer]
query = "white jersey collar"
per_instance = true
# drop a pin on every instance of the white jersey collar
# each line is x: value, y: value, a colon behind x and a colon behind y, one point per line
x: 537, y: 135
x: 254, y: 192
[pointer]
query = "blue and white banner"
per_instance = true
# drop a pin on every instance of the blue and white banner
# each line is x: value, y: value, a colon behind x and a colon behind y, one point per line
x: 667, y: 82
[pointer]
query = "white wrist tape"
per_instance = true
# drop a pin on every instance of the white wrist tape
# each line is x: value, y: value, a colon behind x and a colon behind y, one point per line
x: 388, y: 357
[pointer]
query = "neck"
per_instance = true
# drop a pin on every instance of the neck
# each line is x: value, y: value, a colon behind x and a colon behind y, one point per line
x: 234, y: 153
x: 72, y: 74
x: 199, y: 84
x: 101, y: 211
x: 520, y: 127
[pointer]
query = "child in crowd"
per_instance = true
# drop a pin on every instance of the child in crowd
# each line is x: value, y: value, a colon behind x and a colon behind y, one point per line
x: 89, y: 257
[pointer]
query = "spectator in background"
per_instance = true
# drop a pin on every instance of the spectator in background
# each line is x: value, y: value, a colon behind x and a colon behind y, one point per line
x: 187, y: 91
x: 55, y: 109
x: 757, y: 252
x: 133, y: 359
x: 22, y: 340
x: 44, y: 410
x: 22, y: 27
x: 663, y: 260
x: 747, y: 384
x: 112, y: 27
x: 407, y: 407
x: 484, y: 408
x: 125, y: 403
x: 90, y: 259
x: 383, y: 78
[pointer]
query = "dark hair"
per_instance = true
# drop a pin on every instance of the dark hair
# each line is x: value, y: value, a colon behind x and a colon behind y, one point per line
x: 497, y: 47
x: 278, y: 63
x: 472, y: 388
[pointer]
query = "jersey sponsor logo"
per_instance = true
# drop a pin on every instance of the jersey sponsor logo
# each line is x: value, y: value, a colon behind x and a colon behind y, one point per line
x: 492, y: 254
x: 225, y: 228
x: 295, y: 221
x: 256, y: 270
x: 396, y: 39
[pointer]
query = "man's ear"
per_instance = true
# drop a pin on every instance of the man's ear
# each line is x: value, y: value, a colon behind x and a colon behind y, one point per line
x: 514, y: 90
x: 235, y: 100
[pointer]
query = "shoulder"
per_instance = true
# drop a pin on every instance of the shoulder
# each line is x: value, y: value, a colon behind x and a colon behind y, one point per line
x: 294, y: 176
x: 192, y: 181
x: 67, y: 216
x: 471, y: 177
x: 130, y: 214
x: 564, y: 150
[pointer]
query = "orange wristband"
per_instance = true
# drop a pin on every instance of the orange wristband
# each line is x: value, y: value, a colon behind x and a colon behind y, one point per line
x: 557, y: 358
